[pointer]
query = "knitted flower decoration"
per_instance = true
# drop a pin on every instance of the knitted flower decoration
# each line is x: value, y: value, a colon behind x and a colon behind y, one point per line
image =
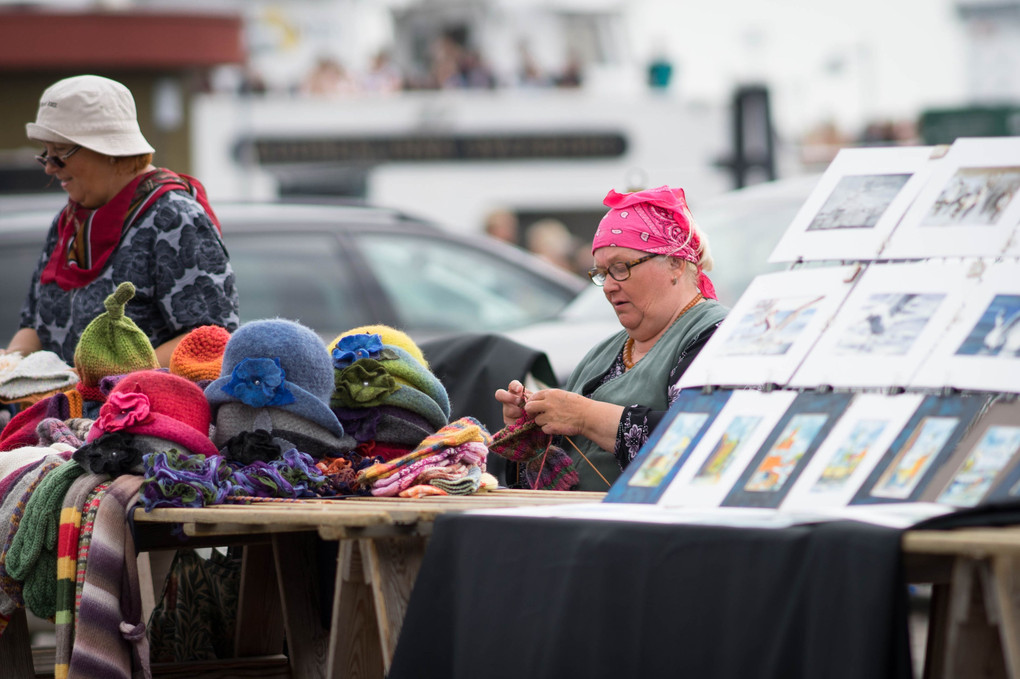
x: 250, y: 446
x: 112, y: 454
x: 354, y: 347
x: 363, y: 384
x: 122, y: 410
x: 259, y: 382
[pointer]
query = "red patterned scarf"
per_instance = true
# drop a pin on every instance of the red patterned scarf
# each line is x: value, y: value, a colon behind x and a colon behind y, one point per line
x: 99, y: 231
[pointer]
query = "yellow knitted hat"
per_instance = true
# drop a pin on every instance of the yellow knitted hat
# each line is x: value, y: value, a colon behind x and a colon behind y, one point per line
x: 390, y: 336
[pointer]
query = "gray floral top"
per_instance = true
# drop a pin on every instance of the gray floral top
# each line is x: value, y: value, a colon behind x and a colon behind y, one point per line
x: 177, y: 262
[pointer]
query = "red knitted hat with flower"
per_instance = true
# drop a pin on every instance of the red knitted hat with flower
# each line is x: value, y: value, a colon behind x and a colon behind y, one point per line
x: 160, y: 404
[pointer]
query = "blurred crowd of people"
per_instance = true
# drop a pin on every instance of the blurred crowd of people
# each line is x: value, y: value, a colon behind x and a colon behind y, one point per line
x: 548, y: 238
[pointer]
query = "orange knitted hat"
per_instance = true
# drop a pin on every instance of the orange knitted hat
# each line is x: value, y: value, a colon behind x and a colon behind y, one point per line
x: 199, y: 356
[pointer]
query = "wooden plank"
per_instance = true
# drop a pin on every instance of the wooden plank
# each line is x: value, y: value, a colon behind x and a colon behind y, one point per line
x: 267, y: 667
x: 976, y: 543
x: 259, y: 630
x: 16, y: 647
x: 354, y: 646
x: 393, y: 565
x: 297, y: 569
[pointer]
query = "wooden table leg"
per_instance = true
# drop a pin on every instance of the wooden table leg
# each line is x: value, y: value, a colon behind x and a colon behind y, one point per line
x: 973, y: 647
x: 354, y: 649
x: 260, y: 626
x: 392, y: 565
x: 297, y: 575
x: 1004, y: 581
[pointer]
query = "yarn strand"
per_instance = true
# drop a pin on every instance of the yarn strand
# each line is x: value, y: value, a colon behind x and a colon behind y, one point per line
x: 609, y: 485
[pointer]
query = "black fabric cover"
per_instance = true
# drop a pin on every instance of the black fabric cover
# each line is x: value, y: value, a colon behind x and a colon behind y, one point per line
x: 618, y: 599
x: 472, y: 366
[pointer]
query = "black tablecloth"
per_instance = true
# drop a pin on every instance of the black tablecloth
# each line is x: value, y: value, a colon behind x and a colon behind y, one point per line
x: 526, y: 597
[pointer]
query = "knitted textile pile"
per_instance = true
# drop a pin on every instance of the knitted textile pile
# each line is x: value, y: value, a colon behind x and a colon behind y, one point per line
x: 276, y: 377
x: 39, y: 373
x: 199, y: 356
x: 449, y: 462
x: 383, y: 391
x: 544, y: 466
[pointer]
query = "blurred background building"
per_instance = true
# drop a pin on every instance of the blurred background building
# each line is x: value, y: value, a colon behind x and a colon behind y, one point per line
x: 454, y: 108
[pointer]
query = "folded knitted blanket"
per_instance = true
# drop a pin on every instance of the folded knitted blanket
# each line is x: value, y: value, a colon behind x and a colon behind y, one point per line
x: 38, y: 373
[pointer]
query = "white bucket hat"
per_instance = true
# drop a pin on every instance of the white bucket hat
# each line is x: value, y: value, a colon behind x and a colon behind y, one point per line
x: 91, y: 111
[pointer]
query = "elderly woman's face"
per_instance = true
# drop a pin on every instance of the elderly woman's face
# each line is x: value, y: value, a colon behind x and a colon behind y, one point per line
x: 87, y: 176
x: 638, y: 301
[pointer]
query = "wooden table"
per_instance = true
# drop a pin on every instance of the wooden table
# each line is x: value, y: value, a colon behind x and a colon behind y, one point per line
x: 973, y: 632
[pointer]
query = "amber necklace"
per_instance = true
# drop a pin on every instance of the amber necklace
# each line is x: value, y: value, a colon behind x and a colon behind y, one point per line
x: 628, y: 347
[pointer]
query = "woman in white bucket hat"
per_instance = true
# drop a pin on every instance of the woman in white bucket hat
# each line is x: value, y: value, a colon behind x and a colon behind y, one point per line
x: 125, y: 220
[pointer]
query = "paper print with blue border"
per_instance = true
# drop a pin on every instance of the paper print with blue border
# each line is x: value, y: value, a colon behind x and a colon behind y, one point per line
x: 771, y: 328
x: 855, y: 206
x: 920, y: 449
x: 980, y: 350
x: 968, y: 207
x: 726, y: 448
x: 983, y: 457
x: 779, y: 461
x: 648, y: 475
x: 887, y: 326
x: 851, y: 450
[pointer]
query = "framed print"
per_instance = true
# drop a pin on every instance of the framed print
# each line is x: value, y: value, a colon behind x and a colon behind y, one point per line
x: 981, y: 349
x: 726, y: 447
x: 771, y: 328
x: 969, y: 205
x: 920, y: 449
x: 650, y: 472
x: 858, y: 201
x: 851, y: 450
x: 984, y: 454
x: 789, y: 447
x: 887, y: 326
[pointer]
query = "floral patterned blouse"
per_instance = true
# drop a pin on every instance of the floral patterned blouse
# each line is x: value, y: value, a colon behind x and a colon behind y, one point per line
x: 177, y: 262
x: 638, y: 422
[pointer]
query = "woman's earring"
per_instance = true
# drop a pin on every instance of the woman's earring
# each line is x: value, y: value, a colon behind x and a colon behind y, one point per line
x: 674, y: 281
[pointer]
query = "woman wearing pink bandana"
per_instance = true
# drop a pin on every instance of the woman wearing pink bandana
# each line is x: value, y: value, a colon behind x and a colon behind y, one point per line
x: 650, y: 259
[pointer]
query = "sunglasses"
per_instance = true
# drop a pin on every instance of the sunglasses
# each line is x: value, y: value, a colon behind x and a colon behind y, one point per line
x: 45, y: 159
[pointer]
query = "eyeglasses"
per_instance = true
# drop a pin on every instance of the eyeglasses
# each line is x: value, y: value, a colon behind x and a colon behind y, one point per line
x: 45, y: 159
x: 620, y: 271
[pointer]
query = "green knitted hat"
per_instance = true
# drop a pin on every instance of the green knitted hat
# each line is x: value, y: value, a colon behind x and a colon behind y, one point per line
x: 112, y: 344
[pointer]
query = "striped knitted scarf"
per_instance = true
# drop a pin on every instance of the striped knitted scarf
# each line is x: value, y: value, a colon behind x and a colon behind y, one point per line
x: 463, y: 430
x: 67, y: 561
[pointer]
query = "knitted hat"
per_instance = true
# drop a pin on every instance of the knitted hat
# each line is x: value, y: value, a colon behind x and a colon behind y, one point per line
x: 156, y: 403
x: 278, y: 363
x: 38, y: 373
x: 111, y: 345
x: 199, y: 355
x: 371, y: 372
x: 21, y: 430
x: 286, y: 429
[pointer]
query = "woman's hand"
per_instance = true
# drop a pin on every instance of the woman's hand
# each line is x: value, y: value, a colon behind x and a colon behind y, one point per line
x: 513, y: 399
x: 565, y: 413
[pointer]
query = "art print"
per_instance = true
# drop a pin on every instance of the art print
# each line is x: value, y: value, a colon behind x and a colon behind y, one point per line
x: 673, y: 444
x: 851, y: 450
x: 727, y: 447
x: 856, y: 204
x: 980, y: 350
x: 771, y: 328
x: 974, y: 195
x: 787, y: 450
x: 983, y: 457
x: 887, y: 326
x: 920, y: 449
x: 969, y: 206
x: 648, y: 475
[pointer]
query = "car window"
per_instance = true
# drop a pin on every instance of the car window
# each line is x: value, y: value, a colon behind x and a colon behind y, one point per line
x: 296, y: 276
x: 444, y: 284
x: 16, y: 266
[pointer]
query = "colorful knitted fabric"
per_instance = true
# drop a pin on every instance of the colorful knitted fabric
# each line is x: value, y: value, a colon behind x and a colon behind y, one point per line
x: 553, y: 470
x: 199, y: 356
x: 68, y: 432
x: 32, y: 557
x: 21, y: 430
x: 174, y: 479
x: 12, y: 511
x: 521, y: 441
x: 110, y: 641
x: 67, y: 560
x: 405, y: 476
x: 465, y: 485
x: 423, y: 490
x: 459, y: 431
x: 88, y: 520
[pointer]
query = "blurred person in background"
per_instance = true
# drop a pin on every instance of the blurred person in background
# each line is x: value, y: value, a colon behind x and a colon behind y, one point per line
x: 551, y: 240
x: 502, y: 225
x: 125, y: 220
x: 650, y: 259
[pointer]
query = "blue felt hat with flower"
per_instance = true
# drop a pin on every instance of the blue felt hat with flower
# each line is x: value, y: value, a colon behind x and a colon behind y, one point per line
x: 277, y: 363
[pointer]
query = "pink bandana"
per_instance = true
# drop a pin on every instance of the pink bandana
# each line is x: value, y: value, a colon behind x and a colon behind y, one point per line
x: 656, y: 221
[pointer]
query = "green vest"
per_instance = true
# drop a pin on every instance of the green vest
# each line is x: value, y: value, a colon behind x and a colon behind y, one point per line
x: 646, y: 384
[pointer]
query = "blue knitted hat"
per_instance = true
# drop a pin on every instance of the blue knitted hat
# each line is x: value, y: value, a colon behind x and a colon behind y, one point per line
x: 281, y: 364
